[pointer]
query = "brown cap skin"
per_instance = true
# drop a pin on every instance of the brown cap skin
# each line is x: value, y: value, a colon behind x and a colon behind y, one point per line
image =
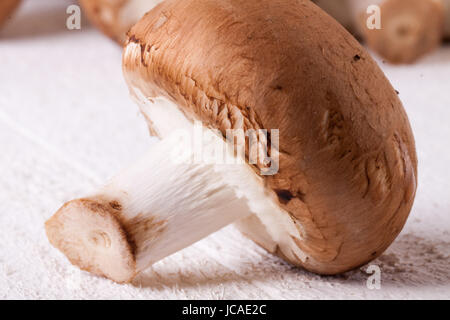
x: 348, y: 163
x: 409, y: 29
x: 6, y: 9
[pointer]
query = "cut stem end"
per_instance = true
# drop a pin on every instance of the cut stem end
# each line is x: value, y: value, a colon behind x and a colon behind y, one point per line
x: 89, y: 233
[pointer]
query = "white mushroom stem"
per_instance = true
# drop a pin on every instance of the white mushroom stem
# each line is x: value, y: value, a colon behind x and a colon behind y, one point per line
x: 166, y: 201
x: 167, y: 206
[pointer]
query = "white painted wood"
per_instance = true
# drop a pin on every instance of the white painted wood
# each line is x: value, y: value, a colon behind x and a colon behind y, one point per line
x: 62, y: 96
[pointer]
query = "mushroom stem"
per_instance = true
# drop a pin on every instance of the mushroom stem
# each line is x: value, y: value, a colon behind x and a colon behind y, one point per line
x: 166, y: 201
x: 166, y: 206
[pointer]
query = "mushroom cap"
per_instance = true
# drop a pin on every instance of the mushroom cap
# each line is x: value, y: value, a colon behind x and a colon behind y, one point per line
x: 6, y: 9
x: 409, y: 30
x: 115, y: 17
x: 347, y: 165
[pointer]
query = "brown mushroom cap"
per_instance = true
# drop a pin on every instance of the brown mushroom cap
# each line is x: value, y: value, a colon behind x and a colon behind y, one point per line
x: 347, y: 171
x: 409, y: 29
x: 6, y: 9
x: 108, y: 15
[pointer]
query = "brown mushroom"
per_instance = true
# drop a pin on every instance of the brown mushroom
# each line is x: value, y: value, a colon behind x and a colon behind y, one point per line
x: 341, y: 179
x: 409, y: 28
x: 6, y: 9
x: 115, y: 17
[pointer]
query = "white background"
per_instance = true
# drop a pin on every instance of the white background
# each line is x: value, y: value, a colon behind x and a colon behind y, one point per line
x: 67, y: 124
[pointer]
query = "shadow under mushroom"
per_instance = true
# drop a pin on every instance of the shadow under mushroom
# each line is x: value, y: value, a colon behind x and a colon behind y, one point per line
x: 411, y: 261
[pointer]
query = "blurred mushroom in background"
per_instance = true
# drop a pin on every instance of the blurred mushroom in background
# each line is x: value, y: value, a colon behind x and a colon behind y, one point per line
x: 7, y: 7
x: 115, y: 17
x: 409, y: 28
